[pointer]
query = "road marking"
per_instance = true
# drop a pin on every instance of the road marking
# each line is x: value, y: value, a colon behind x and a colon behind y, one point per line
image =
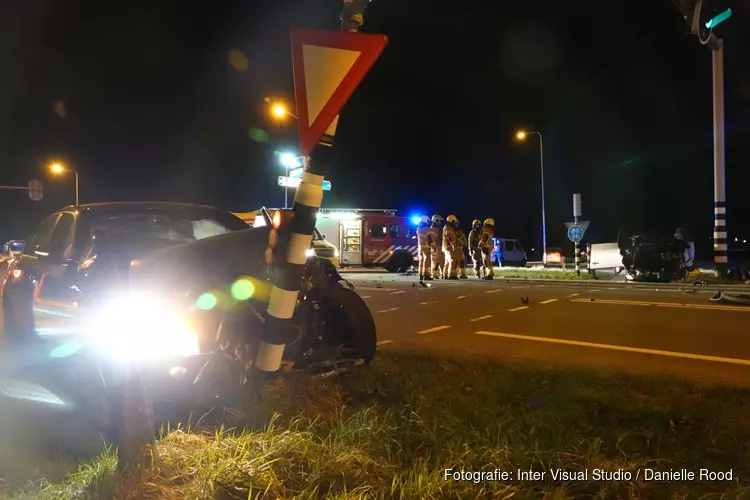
x: 572, y: 295
x: 383, y: 342
x: 377, y: 288
x: 463, y: 296
x: 397, y: 292
x: 518, y: 309
x: 638, y: 350
x: 597, y: 290
x: 677, y: 305
x: 427, y: 302
x: 365, y: 296
x: 481, y: 318
x: 435, y: 329
x: 548, y: 301
x: 493, y: 291
x: 388, y: 310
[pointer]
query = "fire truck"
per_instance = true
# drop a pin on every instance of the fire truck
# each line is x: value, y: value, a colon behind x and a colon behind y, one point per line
x: 370, y: 237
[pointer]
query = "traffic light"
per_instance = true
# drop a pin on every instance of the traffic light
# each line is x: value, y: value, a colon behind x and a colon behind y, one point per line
x: 702, y: 16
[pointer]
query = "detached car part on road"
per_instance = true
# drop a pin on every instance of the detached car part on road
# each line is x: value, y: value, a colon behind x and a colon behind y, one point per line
x: 180, y: 288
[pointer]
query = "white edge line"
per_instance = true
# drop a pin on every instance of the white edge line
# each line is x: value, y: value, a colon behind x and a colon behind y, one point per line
x: 434, y: 329
x: 383, y: 342
x: 638, y: 350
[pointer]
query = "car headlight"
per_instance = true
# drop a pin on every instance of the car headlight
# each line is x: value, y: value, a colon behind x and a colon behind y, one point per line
x: 141, y: 327
x: 310, y: 252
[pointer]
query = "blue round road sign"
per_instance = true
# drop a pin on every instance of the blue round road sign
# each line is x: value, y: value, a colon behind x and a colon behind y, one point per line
x: 575, y: 233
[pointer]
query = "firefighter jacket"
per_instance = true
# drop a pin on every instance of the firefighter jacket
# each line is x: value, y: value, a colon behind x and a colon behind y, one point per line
x: 485, y: 240
x: 450, y: 243
x: 461, y: 238
x: 436, y: 232
x: 424, y: 236
x: 474, y: 237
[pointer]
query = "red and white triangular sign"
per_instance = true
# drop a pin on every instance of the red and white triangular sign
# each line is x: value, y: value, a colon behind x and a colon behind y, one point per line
x: 328, y: 67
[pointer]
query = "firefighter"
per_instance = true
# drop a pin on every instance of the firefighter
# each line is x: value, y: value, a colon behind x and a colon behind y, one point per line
x: 463, y: 244
x: 438, y: 258
x: 425, y: 244
x: 451, y: 248
x: 485, y: 245
x: 474, y: 251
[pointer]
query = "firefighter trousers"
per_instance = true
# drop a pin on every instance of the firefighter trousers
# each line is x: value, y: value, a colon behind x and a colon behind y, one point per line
x: 476, y: 258
x: 451, y: 263
x: 438, y: 263
x: 425, y: 262
x: 487, y: 257
x: 462, y: 264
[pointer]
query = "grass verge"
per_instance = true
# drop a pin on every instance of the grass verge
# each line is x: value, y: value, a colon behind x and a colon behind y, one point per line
x: 542, y: 273
x: 392, y: 429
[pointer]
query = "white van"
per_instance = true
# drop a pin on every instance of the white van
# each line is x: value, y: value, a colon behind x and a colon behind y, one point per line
x: 508, y: 252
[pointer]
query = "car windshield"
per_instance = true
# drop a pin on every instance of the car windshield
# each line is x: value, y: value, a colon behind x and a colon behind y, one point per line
x: 170, y: 224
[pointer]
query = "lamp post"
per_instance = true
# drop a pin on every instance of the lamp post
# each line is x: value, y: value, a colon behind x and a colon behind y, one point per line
x: 521, y: 136
x: 58, y: 168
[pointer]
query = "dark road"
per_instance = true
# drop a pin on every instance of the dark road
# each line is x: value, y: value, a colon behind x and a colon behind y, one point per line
x: 639, y: 330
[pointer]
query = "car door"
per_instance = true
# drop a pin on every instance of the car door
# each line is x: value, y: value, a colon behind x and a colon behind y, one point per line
x: 21, y: 279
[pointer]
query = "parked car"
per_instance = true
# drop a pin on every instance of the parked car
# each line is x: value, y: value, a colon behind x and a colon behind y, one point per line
x: 508, y: 252
x: 554, y: 255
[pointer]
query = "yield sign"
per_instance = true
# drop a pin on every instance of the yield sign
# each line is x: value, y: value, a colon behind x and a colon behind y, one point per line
x: 328, y: 66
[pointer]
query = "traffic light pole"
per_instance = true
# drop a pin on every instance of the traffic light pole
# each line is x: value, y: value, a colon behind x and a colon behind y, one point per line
x: 720, y: 202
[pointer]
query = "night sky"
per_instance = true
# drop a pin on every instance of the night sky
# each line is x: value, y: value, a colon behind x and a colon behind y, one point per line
x: 153, y: 109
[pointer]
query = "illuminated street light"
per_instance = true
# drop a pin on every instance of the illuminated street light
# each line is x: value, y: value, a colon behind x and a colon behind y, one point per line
x: 280, y: 111
x: 59, y: 169
x: 521, y: 135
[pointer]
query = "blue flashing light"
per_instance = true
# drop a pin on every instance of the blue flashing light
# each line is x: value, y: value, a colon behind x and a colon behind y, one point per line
x: 415, y: 219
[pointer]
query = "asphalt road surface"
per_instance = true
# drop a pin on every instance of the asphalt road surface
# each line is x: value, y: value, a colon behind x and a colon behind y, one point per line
x: 644, y: 330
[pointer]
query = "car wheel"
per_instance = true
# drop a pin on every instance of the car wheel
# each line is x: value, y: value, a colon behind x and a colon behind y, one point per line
x: 349, y: 323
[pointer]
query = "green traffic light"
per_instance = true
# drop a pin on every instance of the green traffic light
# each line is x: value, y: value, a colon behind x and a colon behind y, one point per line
x: 719, y: 19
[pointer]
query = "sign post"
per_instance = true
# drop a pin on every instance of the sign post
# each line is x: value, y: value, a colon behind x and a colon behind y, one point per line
x: 35, y: 189
x: 328, y: 66
x: 576, y: 230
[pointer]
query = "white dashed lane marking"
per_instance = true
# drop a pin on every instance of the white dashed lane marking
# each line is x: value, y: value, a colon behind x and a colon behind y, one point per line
x: 572, y: 295
x: 427, y: 302
x: 396, y: 293
x: 383, y: 342
x: 548, y: 301
x: 463, y: 296
x: 610, y: 347
x: 389, y: 310
x: 480, y: 318
x: 518, y: 309
x: 434, y: 329
x: 493, y: 291
x: 365, y: 296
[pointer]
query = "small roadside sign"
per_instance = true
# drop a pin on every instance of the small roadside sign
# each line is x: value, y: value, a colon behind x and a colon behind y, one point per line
x: 293, y: 182
x: 577, y: 230
x: 328, y: 67
x: 36, y: 190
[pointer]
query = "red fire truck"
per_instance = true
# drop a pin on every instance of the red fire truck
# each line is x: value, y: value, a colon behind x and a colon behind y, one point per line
x: 370, y: 238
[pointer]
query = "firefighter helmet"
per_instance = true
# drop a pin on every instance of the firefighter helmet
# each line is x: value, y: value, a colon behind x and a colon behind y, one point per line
x: 424, y: 219
x: 452, y: 219
x: 489, y: 222
x: 437, y: 218
x: 476, y: 222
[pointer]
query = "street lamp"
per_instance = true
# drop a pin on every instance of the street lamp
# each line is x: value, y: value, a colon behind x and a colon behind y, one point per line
x: 521, y: 135
x: 59, y: 169
x: 280, y: 111
x: 288, y: 160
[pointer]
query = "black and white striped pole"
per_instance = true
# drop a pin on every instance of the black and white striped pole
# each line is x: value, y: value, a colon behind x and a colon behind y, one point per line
x: 576, y: 215
x: 289, y: 247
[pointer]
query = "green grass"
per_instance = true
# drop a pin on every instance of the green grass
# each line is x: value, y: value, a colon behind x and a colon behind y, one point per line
x: 542, y: 273
x: 390, y: 430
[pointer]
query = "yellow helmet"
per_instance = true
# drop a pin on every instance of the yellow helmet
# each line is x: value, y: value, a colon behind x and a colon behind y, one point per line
x: 452, y: 219
x: 476, y: 222
x: 489, y: 222
x: 437, y: 218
